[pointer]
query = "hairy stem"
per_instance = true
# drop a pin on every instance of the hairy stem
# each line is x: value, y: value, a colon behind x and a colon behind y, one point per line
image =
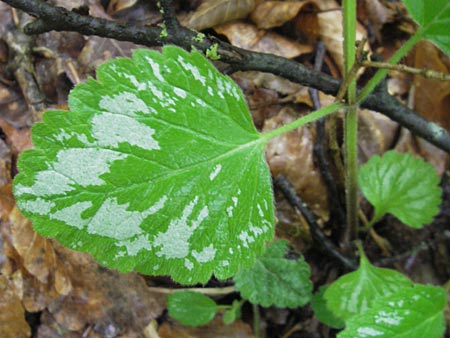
x: 302, y: 121
x: 351, y: 124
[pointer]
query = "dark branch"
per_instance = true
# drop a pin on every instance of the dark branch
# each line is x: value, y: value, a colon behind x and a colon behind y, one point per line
x: 318, y: 236
x: 59, y: 19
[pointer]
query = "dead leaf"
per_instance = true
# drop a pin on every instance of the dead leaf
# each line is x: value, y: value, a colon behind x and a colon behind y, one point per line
x: 375, y: 13
x: 216, y: 328
x: 115, y: 6
x: 330, y: 29
x: 292, y: 156
x: 376, y: 134
x: 271, y: 14
x: 249, y: 37
x: 12, y: 313
x: 431, y: 97
x: 214, y: 12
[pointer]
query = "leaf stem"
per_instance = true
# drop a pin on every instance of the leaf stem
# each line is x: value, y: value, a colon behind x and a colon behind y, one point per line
x: 381, y: 73
x: 266, y: 136
x: 351, y: 123
x: 256, y: 320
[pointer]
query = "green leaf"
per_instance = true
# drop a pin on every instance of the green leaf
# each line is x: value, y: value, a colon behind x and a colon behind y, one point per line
x: 355, y: 292
x: 157, y: 168
x: 233, y: 313
x: 434, y: 19
x: 191, y: 308
x: 321, y: 311
x: 275, y: 280
x: 402, y: 185
x: 414, y: 312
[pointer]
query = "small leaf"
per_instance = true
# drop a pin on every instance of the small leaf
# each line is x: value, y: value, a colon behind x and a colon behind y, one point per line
x: 321, y: 311
x: 413, y: 312
x: 275, y: 280
x: 233, y: 313
x: 157, y: 168
x: 434, y: 19
x: 191, y: 308
x: 400, y: 184
x: 355, y: 292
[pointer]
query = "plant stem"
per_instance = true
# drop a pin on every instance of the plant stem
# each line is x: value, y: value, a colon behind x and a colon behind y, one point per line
x: 302, y: 121
x: 256, y: 320
x: 351, y: 123
x: 381, y: 73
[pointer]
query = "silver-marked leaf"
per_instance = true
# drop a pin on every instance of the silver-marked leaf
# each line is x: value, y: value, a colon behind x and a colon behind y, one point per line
x: 400, y: 184
x: 157, y: 168
x: 191, y: 308
x: 321, y: 311
x: 412, y: 312
x: 355, y: 292
x: 434, y: 20
x: 275, y: 280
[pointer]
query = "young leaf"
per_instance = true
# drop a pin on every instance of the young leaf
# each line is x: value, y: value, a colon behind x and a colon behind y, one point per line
x: 402, y: 185
x: 355, y: 292
x: 321, y: 311
x: 233, y: 313
x: 157, y: 168
x: 275, y: 280
x: 413, y: 312
x: 434, y: 19
x: 191, y: 308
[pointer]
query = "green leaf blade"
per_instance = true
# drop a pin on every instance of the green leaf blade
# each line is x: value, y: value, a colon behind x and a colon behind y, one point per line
x: 434, y: 19
x: 321, y: 311
x: 274, y: 280
x: 191, y: 308
x: 154, y: 169
x: 356, y: 291
x: 400, y: 184
x: 412, y: 312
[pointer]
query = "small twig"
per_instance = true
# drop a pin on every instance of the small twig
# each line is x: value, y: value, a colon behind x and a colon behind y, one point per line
x: 289, y: 193
x: 428, y: 73
x: 414, y: 251
x: 206, y: 291
x: 353, y: 71
x: 319, y: 145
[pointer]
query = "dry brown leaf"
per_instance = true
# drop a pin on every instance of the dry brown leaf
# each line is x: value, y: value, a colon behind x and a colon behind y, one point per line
x: 214, y: 12
x: 431, y: 97
x: 271, y: 14
x: 12, y: 313
x: 376, y: 134
x: 292, y: 155
x: 375, y: 13
x: 330, y: 29
x: 249, y: 37
x: 119, y: 5
x: 216, y: 328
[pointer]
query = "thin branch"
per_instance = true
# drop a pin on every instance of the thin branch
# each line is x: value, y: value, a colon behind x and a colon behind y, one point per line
x: 427, y: 73
x: 319, y: 146
x: 60, y: 19
x: 318, y: 236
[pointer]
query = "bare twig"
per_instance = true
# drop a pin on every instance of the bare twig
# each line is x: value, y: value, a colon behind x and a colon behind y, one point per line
x: 319, y: 146
x: 60, y: 19
x: 329, y: 247
x: 428, y: 73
